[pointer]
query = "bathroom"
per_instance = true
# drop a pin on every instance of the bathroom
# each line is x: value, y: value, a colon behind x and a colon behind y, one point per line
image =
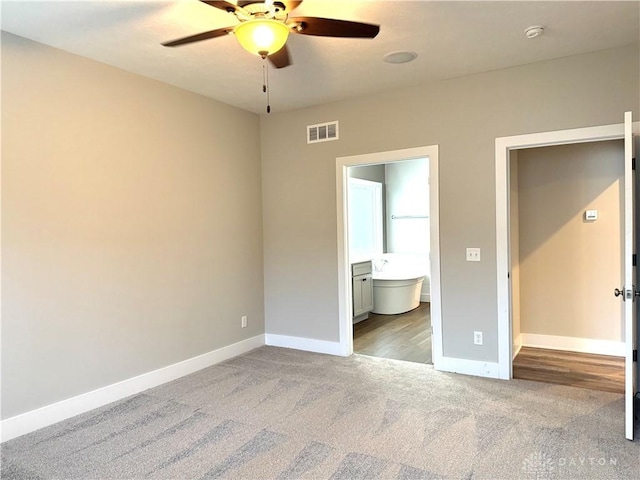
x: 389, y: 231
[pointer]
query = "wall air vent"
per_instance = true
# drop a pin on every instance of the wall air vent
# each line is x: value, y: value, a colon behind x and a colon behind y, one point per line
x: 322, y: 132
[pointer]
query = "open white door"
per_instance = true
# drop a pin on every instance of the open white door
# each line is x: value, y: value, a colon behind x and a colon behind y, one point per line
x: 630, y: 292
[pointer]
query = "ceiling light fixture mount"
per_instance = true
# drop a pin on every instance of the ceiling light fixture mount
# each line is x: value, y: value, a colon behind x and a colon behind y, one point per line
x: 534, y: 31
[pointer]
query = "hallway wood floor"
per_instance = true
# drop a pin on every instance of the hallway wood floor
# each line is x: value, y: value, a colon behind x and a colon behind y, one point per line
x: 597, y: 372
x: 401, y: 337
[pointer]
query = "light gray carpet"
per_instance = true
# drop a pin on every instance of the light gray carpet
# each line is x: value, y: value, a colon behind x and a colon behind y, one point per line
x: 283, y: 414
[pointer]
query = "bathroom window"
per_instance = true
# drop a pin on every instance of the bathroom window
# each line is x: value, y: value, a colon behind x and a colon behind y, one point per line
x: 365, y: 219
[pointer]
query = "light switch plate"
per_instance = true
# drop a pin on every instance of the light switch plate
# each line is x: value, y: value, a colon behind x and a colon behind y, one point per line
x: 591, y: 215
x: 473, y: 254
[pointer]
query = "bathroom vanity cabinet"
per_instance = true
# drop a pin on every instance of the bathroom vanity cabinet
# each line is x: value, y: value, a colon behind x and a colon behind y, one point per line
x: 362, y: 290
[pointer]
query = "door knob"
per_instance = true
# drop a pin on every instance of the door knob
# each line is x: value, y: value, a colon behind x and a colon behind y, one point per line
x: 630, y: 293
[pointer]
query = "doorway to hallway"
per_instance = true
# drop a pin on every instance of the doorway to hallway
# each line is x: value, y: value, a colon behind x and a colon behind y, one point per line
x: 567, y: 229
x: 505, y: 146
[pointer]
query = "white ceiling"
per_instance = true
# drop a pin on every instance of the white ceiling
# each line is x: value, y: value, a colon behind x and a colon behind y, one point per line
x: 451, y: 38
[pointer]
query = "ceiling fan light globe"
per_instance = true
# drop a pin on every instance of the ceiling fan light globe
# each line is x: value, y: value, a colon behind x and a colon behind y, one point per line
x: 262, y: 36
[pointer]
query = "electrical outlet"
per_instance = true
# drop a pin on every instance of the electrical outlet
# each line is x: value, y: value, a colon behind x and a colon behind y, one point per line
x: 477, y: 338
x: 473, y: 254
x: 244, y: 321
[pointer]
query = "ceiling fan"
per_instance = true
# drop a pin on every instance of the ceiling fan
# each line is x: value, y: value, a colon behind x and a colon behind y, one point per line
x: 265, y: 26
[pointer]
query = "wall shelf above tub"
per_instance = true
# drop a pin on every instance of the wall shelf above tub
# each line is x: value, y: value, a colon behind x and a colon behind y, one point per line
x: 404, y: 217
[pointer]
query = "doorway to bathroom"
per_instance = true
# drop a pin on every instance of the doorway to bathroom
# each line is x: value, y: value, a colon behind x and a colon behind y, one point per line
x: 388, y: 229
x: 388, y: 246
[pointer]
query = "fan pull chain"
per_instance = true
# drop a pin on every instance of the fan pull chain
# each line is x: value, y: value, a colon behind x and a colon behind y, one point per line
x: 265, y: 83
x: 264, y: 78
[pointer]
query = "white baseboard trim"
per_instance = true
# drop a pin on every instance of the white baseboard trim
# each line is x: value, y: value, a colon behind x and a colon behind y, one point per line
x: 306, y: 344
x: 574, y: 344
x: 517, y: 345
x: 468, y: 367
x: 425, y: 297
x: 42, y: 417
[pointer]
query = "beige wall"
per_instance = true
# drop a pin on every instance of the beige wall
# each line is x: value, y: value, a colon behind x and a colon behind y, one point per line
x: 131, y: 210
x: 569, y: 266
x: 463, y: 116
x: 131, y: 225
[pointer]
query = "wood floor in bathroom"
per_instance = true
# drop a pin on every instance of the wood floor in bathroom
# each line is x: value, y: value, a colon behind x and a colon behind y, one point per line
x: 401, y: 337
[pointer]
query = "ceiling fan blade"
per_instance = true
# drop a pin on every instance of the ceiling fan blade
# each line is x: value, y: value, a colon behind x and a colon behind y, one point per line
x: 327, y: 27
x: 220, y: 32
x: 226, y: 6
x: 281, y: 58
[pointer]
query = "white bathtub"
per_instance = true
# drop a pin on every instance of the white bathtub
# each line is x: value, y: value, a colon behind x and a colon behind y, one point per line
x: 397, y: 282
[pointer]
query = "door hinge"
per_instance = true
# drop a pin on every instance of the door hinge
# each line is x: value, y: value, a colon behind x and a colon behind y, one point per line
x: 633, y: 163
x: 634, y: 259
x: 635, y: 355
